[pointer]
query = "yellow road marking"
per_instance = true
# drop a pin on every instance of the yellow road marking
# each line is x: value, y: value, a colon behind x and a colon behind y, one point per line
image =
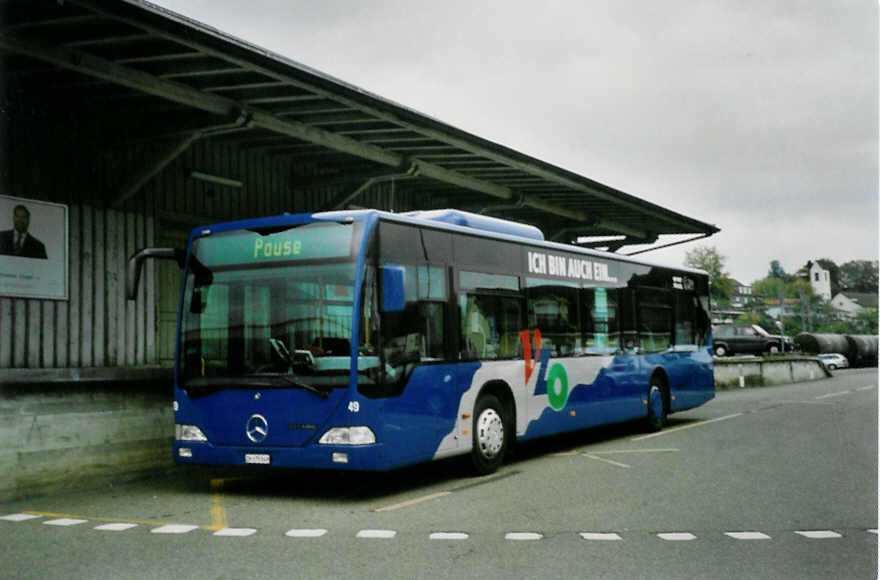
x: 414, y: 501
x: 218, y: 513
x: 682, y: 428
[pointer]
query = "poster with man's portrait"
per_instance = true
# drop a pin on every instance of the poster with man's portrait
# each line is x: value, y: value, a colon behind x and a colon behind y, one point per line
x: 33, y: 248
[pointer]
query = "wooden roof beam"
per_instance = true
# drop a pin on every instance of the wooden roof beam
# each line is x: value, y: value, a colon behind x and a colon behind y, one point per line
x: 452, y: 136
x: 134, y: 79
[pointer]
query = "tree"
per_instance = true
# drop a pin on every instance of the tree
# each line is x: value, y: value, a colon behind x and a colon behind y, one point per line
x: 777, y: 284
x: 859, y: 276
x: 866, y: 321
x: 776, y: 271
x: 759, y: 317
x: 767, y: 287
x: 709, y: 259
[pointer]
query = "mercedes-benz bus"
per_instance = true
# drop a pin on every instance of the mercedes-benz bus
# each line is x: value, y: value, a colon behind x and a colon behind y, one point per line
x: 369, y: 340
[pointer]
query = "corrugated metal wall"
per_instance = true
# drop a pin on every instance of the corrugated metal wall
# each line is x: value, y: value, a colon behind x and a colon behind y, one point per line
x: 97, y: 326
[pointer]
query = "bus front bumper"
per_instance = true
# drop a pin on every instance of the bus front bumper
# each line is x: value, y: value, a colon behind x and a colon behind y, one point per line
x: 353, y: 457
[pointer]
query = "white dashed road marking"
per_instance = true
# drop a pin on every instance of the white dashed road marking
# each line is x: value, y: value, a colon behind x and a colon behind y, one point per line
x: 677, y: 536
x: 173, y: 529
x: 19, y: 517
x: 819, y: 534
x: 616, y: 451
x: 830, y: 395
x: 120, y: 527
x: 377, y: 534
x: 747, y: 535
x: 240, y: 532
x: 448, y: 536
x: 414, y: 501
x: 64, y: 522
x: 305, y: 533
x: 600, y: 536
x: 868, y: 388
x: 523, y: 536
x: 683, y: 427
x: 608, y: 461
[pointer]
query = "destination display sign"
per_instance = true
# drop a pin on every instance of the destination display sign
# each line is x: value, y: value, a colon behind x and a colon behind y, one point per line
x: 308, y: 242
x: 575, y: 268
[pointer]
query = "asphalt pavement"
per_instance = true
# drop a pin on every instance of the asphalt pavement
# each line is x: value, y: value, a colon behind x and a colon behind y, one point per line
x: 776, y: 482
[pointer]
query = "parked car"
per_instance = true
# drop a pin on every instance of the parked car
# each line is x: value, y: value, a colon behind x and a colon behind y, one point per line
x: 730, y: 339
x: 833, y: 360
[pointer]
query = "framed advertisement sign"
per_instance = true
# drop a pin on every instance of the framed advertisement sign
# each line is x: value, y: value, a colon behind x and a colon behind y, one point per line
x: 33, y: 248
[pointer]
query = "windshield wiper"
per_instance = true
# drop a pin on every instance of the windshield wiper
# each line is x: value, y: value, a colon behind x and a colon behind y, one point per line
x: 282, y: 351
x: 310, y: 388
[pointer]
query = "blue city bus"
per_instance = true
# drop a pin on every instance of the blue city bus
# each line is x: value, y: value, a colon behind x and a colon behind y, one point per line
x: 368, y: 340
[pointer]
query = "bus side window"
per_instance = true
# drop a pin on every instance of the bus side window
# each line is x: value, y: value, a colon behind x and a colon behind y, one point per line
x: 655, y: 319
x: 685, y: 312
x: 490, y: 326
x: 553, y: 309
x: 491, y: 314
x: 475, y: 328
x: 600, y: 320
x: 417, y: 332
x: 629, y: 338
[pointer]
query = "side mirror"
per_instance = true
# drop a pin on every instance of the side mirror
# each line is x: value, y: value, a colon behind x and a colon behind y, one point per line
x: 135, y: 263
x: 393, y: 290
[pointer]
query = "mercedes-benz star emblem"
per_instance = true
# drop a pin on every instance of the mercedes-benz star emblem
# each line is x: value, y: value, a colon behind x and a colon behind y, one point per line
x: 257, y: 428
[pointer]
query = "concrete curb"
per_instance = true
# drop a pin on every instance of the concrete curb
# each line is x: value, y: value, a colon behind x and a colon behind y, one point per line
x: 755, y: 371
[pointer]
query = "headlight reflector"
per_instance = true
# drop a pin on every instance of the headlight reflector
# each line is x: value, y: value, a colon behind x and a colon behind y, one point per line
x: 348, y: 436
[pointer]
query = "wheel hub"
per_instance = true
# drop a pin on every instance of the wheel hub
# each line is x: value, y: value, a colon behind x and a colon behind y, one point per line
x: 490, y: 433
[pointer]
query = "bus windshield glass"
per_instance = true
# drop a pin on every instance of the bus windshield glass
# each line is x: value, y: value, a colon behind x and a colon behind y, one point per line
x: 270, y: 309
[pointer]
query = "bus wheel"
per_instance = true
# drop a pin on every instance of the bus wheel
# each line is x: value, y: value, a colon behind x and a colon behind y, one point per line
x: 489, y: 436
x: 656, y: 407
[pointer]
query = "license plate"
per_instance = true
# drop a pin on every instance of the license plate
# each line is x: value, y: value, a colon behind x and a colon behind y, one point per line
x: 257, y: 458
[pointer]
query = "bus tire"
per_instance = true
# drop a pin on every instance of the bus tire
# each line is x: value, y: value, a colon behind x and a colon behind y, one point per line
x: 657, y: 413
x: 489, y: 435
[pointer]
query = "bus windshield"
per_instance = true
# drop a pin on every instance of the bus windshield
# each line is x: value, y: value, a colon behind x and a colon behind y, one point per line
x: 280, y: 317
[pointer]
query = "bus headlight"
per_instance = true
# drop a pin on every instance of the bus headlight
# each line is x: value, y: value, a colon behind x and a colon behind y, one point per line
x: 348, y: 436
x: 188, y: 433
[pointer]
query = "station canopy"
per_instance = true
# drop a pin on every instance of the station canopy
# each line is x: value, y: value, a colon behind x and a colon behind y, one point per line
x: 149, y: 73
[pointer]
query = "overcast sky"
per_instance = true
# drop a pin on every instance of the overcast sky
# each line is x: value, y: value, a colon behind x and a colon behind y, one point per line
x: 757, y: 116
